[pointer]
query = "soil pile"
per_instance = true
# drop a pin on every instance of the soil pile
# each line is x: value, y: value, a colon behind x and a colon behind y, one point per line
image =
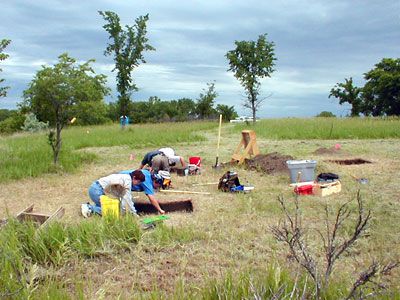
x: 333, y: 150
x: 270, y: 163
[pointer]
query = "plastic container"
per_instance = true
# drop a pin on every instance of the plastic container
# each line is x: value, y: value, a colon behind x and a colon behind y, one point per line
x: 194, y: 165
x: 195, y: 160
x: 301, y: 170
x: 304, y: 189
x: 109, y: 206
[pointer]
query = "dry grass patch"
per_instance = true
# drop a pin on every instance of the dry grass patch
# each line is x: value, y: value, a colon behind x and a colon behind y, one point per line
x: 226, y: 232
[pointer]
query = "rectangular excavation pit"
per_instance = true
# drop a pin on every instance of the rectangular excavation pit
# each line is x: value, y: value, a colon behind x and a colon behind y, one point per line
x: 170, y: 206
x: 356, y: 161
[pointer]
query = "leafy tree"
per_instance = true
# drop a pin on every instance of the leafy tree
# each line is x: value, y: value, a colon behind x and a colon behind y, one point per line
x: 186, y: 109
x: 55, y: 91
x: 3, y: 44
x: 227, y: 112
x: 112, y: 111
x: 127, y: 47
x: 381, y: 92
x: 205, y: 103
x: 251, y: 61
x: 326, y: 114
x: 90, y: 113
x: 347, y: 92
x: 5, y: 113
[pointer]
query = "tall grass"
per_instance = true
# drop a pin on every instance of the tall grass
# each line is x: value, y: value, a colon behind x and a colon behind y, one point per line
x: 325, y: 128
x: 23, y: 248
x: 29, y: 155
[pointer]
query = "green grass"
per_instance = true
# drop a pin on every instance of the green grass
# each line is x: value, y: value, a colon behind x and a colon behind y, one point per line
x: 325, y: 128
x: 23, y: 248
x: 29, y: 155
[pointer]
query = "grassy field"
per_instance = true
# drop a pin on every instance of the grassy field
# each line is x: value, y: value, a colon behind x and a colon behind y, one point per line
x: 225, y: 248
x: 326, y: 128
x: 29, y: 155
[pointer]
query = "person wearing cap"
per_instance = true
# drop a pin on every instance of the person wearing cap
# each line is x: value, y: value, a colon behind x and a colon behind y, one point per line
x: 121, y: 185
x: 161, y: 160
x: 150, y: 182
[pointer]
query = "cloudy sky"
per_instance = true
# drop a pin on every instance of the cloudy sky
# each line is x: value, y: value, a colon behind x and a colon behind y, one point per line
x: 317, y: 44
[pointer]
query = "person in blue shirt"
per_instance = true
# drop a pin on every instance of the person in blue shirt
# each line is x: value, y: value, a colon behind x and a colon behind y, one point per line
x: 147, y: 186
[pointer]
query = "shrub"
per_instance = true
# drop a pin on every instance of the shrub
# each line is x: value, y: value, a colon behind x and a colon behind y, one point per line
x: 32, y: 124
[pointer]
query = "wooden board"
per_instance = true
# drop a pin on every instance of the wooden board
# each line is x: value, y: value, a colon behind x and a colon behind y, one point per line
x: 326, y: 189
x: 40, y: 218
x: 249, y: 143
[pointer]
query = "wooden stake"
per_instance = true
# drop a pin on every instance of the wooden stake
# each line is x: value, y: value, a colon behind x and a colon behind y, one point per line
x: 206, y: 183
x: 219, y: 138
x: 184, y: 192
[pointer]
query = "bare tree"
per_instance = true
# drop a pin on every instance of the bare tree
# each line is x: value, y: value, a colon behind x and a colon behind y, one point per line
x: 294, y: 235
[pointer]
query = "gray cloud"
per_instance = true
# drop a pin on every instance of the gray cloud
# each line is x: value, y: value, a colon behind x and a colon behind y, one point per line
x: 317, y: 43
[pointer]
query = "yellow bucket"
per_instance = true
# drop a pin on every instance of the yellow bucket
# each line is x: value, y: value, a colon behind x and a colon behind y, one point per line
x: 109, y: 206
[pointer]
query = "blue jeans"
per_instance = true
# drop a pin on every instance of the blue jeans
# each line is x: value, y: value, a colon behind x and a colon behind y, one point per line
x: 95, y: 191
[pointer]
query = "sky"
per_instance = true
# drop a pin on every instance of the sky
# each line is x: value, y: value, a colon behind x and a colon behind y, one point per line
x: 317, y: 45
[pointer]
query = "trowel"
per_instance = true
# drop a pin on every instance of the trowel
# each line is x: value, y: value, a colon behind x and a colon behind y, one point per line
x: 360, y: 180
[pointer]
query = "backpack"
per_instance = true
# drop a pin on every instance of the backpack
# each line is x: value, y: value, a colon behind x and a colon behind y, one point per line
x: 228, y: 181
x: 327, y: 177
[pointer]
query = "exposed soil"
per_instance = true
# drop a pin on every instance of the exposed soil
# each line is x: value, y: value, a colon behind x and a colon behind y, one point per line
x: 356, y: 161
x: 170, y: 206
x: 270, y: 163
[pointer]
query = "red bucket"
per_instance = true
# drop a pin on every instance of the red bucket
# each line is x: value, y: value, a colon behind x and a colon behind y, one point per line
x: 195, y: 160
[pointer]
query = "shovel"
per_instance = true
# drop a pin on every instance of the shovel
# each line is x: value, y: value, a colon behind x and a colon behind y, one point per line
x: 217, y: 165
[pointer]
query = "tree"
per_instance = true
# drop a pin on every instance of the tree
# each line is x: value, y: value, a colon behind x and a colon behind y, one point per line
x: 381, y: 92
x: 347, y: 92
x: 205, y: 103
x: 55, y: 91
x: 250, y: 62
x: 127, y: 47
x: 186, y: 109
x: 227, y: 112
x: 3, y: 44
x: 326, y: 114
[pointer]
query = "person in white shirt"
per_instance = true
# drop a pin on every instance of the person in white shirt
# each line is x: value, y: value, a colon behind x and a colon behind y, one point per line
x: 120, y: 185
x: 161, y: 160
x: 172, y: 157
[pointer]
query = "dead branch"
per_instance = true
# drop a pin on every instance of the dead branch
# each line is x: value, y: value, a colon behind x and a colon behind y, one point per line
x: 335, y: 249
x: 291, y: 232
x: 292, y: 235
x: 368, y: 275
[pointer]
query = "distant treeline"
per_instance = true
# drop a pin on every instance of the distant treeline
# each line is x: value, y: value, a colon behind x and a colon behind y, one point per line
x: 152, y: 111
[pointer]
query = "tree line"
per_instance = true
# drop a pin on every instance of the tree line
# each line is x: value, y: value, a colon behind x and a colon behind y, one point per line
x: 71, y: 91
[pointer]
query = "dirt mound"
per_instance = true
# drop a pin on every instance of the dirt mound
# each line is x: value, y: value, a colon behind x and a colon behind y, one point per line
x: 333, y: 150
x: 270, y: 163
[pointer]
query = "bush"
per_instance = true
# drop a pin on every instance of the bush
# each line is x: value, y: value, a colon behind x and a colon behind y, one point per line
x: 326, y: 114
x: 32, y: 124
x: 12, y: 124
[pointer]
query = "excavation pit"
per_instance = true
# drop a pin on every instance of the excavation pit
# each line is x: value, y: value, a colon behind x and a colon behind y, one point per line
x: 356, y: 161
x: 171, y: 206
